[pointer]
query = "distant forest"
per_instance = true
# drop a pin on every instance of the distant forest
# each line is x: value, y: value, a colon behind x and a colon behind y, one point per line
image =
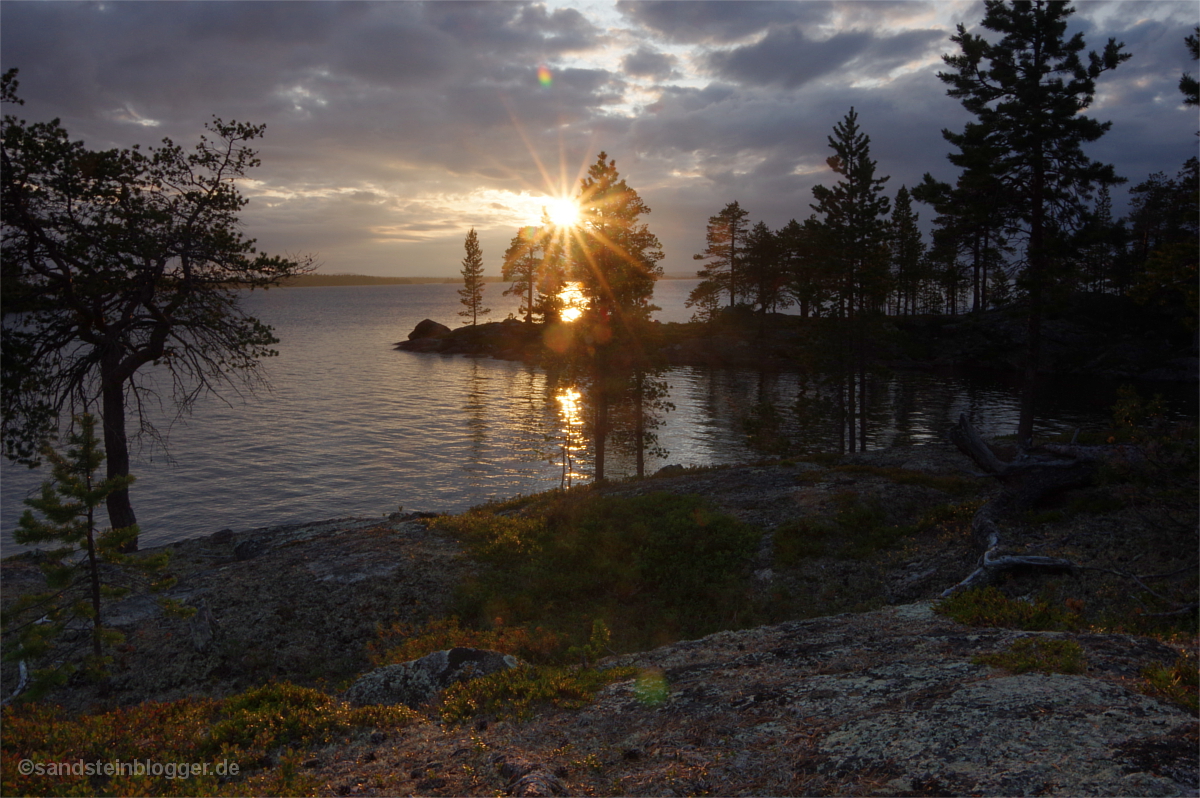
x: 315, y: 280
x: 318, y: 280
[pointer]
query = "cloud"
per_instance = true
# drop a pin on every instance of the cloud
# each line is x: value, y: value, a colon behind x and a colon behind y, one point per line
x: 648, y: 63
x: 787, y: 57
x: 720, y: 21
x: 392, y: 128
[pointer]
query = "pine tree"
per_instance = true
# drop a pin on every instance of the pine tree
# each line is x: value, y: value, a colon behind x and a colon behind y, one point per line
x: 804, y: 254
x: 725, y: 239
x: 1188, y: 84
x: 615, y: 258
x: 764, y: 270
x: 1028, y: 91
x: 472, y: 272
x: 521, y: 261
x: 87, y: 570
x: 908, y: 252
x: 856, y: 245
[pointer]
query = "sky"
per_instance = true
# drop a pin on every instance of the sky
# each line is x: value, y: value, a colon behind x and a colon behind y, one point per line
x: 393, y: 128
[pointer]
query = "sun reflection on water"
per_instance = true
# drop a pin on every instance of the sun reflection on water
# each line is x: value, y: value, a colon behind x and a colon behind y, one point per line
x: 569, y: 401
x: 573, y: 302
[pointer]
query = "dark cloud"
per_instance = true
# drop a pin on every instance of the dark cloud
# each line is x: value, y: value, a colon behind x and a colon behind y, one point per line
x: 648, y: 63
x: 720, y: 21
x: 788, y: 57
x: 392, y: 127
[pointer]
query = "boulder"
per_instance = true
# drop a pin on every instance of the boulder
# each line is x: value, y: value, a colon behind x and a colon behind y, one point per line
x: 428, y: 328
x: 418, y: 681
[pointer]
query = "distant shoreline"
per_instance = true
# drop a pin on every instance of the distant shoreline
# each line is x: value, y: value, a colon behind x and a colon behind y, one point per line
x: 326, y: 280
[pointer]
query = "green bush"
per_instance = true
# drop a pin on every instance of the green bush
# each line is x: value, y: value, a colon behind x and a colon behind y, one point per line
x: 654, y: 568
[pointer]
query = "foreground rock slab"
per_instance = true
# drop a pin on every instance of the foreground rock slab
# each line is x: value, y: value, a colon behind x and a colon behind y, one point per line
x: 879, y: 703
x: 418, y: 682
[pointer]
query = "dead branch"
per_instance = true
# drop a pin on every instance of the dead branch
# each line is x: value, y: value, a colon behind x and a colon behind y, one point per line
x: 1026, y: 482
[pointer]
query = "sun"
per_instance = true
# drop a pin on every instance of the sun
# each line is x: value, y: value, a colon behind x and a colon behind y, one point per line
x: 563, y: 211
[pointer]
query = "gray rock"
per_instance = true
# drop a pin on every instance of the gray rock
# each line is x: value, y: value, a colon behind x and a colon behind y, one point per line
x: 419, y: 681
x: 428, y: 328
x: 249, y: 549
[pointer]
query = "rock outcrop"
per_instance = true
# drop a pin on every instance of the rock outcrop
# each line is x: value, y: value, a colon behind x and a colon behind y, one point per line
x: 891, y: 702
x: 419, y: 681
x: 428, y: 328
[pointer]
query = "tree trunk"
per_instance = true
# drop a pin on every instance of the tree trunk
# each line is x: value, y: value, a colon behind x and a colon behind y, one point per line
x: 600, y: 386
x: 116, y: 449
x: 639, y: 421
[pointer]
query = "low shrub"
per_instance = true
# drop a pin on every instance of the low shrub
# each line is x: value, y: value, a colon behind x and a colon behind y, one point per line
x: 654, y: 568
x: 402, y: 642
x: 957, y: 486
x: 859, y: 530
x: 255, y: 732
x: 518, y: 692
x: 1178, y: 683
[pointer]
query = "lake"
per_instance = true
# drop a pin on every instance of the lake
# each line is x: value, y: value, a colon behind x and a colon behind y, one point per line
x: 352, y: 427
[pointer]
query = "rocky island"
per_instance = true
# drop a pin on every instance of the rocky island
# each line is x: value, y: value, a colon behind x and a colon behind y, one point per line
x: 1095, y: 335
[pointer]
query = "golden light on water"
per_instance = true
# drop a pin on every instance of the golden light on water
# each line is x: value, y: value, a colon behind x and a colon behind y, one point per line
x: 573, y: 302
x: 572, y: 416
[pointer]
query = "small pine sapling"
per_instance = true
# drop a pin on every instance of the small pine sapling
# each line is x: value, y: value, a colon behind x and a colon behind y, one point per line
x: 62, y: 626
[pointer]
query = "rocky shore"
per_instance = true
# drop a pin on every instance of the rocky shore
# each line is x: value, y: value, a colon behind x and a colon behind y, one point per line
x: 884, y: 700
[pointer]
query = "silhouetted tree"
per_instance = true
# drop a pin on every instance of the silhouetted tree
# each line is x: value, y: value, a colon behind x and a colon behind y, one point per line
x: 725, y: 239
x: 472, y: 272
x: 1027, y: 91
x: 765, y: 273
x: 805, y: 259
x: 521, y: 262
x: 116, y: 259
x: 908, y: 253
x: 616, y: 263
x: 855, y: 231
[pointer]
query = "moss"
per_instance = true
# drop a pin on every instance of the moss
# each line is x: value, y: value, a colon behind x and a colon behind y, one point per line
x: 957, y: 486
x: 1035, y: 654
x: 990, y: 607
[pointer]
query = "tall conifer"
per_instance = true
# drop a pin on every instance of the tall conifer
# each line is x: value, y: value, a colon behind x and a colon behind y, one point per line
x: 855, y: 234
x: 472, y: 272
x: 616, y: 263
x: 1028, y: 91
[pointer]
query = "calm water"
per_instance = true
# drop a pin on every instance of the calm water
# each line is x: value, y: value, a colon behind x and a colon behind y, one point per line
x: 353, y: 427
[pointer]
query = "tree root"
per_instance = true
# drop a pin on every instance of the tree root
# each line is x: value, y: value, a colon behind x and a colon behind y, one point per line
x: 1026, y: 481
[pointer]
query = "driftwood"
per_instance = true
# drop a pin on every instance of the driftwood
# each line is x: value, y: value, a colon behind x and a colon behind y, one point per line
x: 1026, y: 480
